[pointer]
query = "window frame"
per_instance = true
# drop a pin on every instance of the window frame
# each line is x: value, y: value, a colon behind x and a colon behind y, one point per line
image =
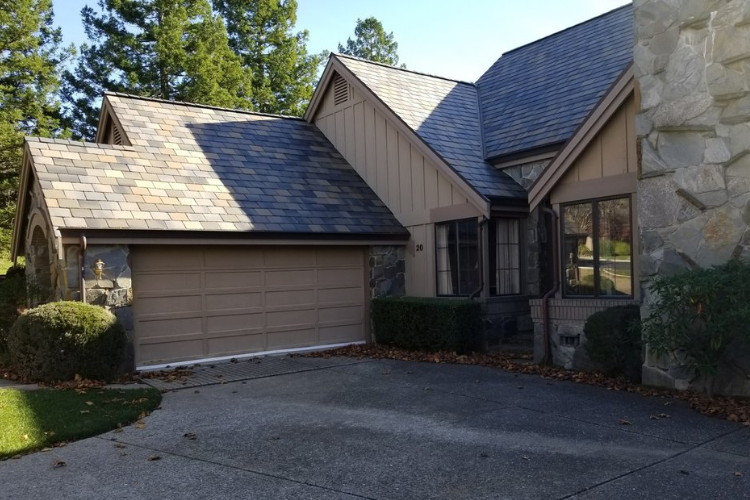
x: 458, y: 254
x: 492, y: 244
x: 594, y: 202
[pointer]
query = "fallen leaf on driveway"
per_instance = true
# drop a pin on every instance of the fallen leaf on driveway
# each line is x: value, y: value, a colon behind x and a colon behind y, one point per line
x: 190, y: 435
x: 524, y: 457
x: 483, y: 455
x: 622, y: 421
x: 738, y: 474
x: 45, y: 450
x: 59, y: 464
x: 154, y: 458
x: 683, y: 471
x: 140, y: 425
x: 120, y: 445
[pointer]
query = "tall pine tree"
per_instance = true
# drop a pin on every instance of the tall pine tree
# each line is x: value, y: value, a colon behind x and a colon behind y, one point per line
x: 31, y: 54
x: 262, y: 33
x: 371, y: 42
x: 170, y: 49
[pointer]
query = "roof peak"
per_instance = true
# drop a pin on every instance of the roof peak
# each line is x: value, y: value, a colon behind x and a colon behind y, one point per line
x: 566, y: 29
x: 405, y: 70
x: 196, y: 105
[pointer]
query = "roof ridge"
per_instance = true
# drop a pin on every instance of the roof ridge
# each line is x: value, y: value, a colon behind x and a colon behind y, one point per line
x: 566, y: 29
x: 196, y: 105
x: 406, y: 70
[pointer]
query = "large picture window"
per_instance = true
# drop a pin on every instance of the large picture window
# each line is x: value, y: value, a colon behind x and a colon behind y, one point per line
x: 507, y: 257
x: 597, y: 246
x: 457, y: 257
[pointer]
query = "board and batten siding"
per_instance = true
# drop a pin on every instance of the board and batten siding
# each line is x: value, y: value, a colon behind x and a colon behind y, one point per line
x: 408, y: 183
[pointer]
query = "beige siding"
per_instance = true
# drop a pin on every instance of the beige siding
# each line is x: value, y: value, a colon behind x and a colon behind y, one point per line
x: 611, y: 153
x: 409, y: 183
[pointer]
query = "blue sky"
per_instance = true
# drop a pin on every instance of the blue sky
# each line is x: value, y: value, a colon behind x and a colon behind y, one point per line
x: 454, y: 39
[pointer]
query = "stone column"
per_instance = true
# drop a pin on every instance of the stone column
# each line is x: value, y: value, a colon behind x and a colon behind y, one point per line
x: 692, y: 66
x: 387, y: 271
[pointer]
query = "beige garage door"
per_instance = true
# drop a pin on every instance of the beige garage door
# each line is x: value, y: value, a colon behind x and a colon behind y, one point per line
x: 202, y: 302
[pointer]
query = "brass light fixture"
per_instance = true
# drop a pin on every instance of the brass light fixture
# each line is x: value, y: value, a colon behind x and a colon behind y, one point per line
x: 98, y: 268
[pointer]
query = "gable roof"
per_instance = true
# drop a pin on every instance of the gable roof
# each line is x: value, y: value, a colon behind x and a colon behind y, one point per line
x: 444, y: 114
x: 197, y: 168
x: 622, y: 88
x: 537, y: 95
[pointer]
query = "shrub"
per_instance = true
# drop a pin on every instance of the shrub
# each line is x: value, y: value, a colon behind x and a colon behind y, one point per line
x: 58, y: 340
x: 431, y: 324
x: 13, y: 297
x: 622, y: 248
x: 613, y: 340
x: 698, y: 315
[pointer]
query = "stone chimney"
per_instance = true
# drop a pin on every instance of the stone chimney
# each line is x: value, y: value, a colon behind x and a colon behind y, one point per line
x: 692, y: 66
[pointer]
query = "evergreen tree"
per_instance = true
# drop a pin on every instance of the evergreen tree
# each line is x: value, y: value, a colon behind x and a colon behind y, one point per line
x: 170, y: 49
x: 30, y: 57
x: 262, y: 33
x: 371, y: 42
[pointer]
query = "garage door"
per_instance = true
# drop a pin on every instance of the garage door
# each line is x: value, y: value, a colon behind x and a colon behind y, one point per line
x: 204, y: 302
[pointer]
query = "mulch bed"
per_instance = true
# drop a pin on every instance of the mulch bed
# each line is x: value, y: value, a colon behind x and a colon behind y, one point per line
x: 732, y: 409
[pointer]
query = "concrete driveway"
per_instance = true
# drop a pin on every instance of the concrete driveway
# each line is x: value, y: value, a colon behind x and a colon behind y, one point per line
x: 390, y: 429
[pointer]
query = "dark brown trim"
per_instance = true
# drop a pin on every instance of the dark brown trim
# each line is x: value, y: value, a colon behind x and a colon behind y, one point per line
x: 229, y: 235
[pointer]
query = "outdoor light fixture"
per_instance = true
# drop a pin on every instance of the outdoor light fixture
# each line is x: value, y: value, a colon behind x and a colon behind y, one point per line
x: 98, y: 268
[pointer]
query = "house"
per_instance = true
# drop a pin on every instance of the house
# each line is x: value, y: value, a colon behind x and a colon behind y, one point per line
x: 576, y: 169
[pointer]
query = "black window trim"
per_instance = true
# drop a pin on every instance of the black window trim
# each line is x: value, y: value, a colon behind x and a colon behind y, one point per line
x: 595, y: 224
x: 479, y: 245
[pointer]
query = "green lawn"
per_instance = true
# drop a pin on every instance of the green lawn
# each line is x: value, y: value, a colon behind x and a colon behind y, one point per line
x: 31, y: 420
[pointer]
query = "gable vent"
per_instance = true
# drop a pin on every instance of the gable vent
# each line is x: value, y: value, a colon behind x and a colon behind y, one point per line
x: 340, y: 90
x: 116, y: 136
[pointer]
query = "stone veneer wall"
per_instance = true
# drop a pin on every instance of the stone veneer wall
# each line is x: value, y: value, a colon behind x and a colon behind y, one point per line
x: 567, y: 318
x: 692, y: 65
x: 387, y: 271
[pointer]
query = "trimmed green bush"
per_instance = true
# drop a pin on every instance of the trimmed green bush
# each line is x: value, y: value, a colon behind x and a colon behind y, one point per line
x: 699, y: 315
x: 431, y: 324
x: 613, y: 340
x: 56, y: 341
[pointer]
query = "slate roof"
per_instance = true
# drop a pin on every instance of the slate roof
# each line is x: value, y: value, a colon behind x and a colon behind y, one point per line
x: 207, y: 169
x: 444, y: 114
x: 538, y: 94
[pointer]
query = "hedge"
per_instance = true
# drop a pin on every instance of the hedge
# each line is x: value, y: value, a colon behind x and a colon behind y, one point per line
x: 60, y: 340
x: 613, y: 340
x: 431, y: 324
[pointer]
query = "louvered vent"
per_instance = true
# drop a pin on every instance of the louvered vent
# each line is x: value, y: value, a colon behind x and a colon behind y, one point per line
x: 340, y: 90
x: 116, y: 136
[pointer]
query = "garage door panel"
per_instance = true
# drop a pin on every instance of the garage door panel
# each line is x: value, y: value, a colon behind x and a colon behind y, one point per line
x: 229, y: 301
x: 348, y: 295
x: 352, y: 277
x: 295, y: 278
x: 178, y: 304
x: 333, y: 257
x: 233, y: 279
x: 169, y: 282
x: 348, y: 314
x: 291, y: 318
x: 221, y: 301
x: 166, y: 258
x: 341, y: 333
x: 170, y: 327
x: 232, y: 344
x: 234, y: 322
x: 234, y: 258
x: 289, y: 257
x: 170, y: 351
x: 301, y: 337
x: 290, y: 298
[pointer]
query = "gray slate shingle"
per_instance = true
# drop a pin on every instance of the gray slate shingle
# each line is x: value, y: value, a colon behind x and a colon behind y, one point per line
x: 538, y: 94
x: 444, y: 114
x: 207, y: 169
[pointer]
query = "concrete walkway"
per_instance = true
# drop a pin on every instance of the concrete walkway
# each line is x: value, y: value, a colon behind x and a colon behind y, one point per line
x: 389, y: 429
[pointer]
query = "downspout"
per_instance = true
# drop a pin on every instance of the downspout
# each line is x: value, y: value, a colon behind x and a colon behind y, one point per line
x: 81, y: 256
x: 480, y: 252
x: 551, y: 293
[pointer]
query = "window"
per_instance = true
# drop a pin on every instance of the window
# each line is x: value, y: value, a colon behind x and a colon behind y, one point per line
x: 457, y: 257
x: 597, y: 249
x: 507, y: 257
